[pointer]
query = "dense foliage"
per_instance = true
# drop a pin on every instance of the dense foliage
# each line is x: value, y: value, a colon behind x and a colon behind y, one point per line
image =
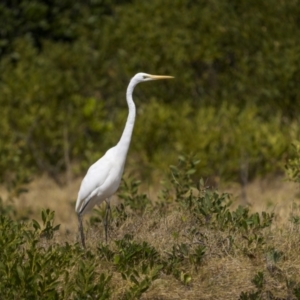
x: 65, y: 66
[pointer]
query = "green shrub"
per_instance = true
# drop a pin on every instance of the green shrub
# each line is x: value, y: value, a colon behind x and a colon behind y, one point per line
x: 64, y: 70
x: 293, y: 165
x: 35, y: 264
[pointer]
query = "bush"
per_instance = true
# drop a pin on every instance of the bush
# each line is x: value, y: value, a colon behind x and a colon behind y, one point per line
x: 202, y: 230
x: 293, y: 165
x: 64, y: 71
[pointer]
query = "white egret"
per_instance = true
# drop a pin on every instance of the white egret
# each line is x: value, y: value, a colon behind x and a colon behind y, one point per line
x: 104, y: 176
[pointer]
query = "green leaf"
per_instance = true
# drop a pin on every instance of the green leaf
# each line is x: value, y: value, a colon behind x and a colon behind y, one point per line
x: 20, y: 272
x: 36, y: 225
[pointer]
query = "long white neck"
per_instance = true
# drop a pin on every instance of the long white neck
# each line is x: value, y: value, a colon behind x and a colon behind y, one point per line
x: 124, y: 142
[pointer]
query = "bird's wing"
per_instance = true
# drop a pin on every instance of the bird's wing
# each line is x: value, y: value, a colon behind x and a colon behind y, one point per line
x: 94, y: 178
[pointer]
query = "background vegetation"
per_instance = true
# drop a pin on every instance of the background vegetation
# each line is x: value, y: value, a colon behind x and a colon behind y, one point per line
x: 234, y: 103
x: 65, y: 67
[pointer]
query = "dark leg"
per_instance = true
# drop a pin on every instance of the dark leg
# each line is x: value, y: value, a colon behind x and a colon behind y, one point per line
x: 107, y: 212
x: 80, y: 227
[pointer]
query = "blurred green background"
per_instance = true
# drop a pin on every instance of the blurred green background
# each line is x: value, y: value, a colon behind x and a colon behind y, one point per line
x: 65, y: 66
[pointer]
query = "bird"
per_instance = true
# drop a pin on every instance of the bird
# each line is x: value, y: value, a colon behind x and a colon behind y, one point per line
x: 103, y: 177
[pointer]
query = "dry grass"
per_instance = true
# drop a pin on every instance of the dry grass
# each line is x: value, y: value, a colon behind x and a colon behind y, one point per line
x: 271, y: 194
x: 226, y: 271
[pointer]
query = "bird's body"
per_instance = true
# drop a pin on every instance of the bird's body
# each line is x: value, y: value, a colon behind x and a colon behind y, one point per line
x: 104, y: 176
x: 101, y: 181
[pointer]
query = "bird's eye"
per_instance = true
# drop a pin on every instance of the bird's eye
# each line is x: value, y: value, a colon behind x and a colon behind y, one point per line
x: 145, y: 76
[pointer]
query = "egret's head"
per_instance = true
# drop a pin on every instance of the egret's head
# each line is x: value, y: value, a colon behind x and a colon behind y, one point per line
x: 141, y: 77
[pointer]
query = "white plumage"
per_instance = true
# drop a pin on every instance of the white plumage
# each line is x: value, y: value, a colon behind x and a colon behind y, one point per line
x: 101, y: 181
x: 104, y: 176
